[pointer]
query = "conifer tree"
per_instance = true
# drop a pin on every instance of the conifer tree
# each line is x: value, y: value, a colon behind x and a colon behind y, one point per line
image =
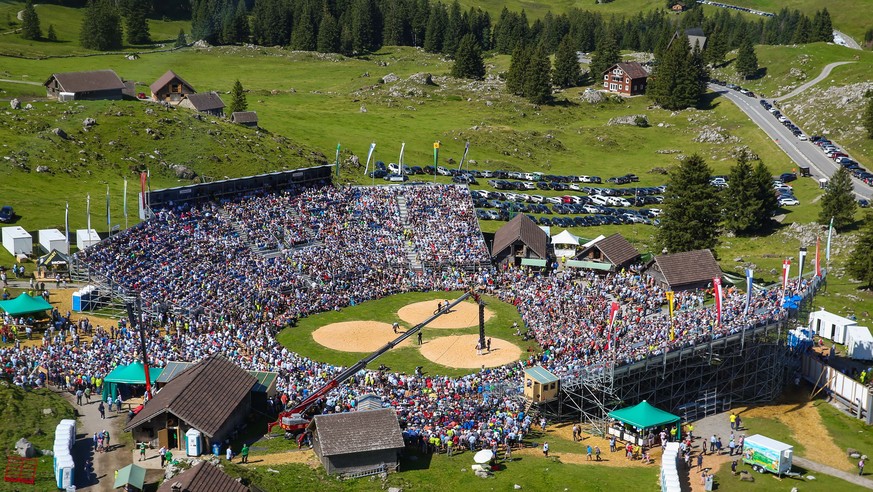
x: 137, y: 26
x: 538, y: 77
x: 328, y: 34
x: 180, y: 39
x: 238, y: 98
x: 838, y: 201
x: 605, y: 55
x: 825, y: 28
x: 455, y: 29
x: 739, y: 198
x: 716, y: 49
x: 101, y: 26
x: 765, y: 199
x: 30, y: 22
x: 867, y: 118
x: 691, y: 208
x: 468, y: 60
x: 304, y: 36
x: 676, y: 82
x: 51, y: 35
x: 518, y: 63
x: 860, y: 263
x: 435, y: 32
x: 365, y: 28
x: 567, y: 71
x: 747, y: 61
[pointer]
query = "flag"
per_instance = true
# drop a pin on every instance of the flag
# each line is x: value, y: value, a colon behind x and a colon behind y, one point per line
x: 337, y: 158
x: 369, y: 155
x: 464, y: 157
x: 613, y: 312
x: 125, y: 199
x: 108, y: 214
x: 749, y: 281
x: 88, y: 212
x: 670, y: 297
x: 828, y: 247
x: 786, y: 267
x: 436, y: 156
x: 817, y: 257
x: 400, y: 160
x: 716, y: 282
x: 67, y: 225
x: 801, y: 256
x: 142, y: 189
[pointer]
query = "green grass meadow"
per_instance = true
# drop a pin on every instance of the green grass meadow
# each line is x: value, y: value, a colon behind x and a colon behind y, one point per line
x: 402, y: 359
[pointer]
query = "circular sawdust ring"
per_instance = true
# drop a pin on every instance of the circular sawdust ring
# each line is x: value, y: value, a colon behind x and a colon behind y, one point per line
x: 356, y: 336
x: 463, y: 315
x: 459, y: 351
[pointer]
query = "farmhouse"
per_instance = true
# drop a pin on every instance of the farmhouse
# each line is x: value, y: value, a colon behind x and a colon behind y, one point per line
x: 245, y: 118
x: 212, y: 397
x: 520, y: 242
x: 357, y: 443
x: 171, y: 88
x: 628, y: 78
x: 98, y: 84
x: 202, y: 477
x: 204, y: 102
x: 684, y: 271
x: 613, y: 254
x: 695, y: 37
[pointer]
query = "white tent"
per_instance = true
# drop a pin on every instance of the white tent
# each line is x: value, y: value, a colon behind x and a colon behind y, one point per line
x: 859, y: 343
x: 830, y: 326
x: 565, y: 244
x: 593, y: 241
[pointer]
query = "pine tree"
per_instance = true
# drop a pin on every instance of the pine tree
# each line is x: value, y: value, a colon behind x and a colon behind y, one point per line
x: 101, y: 26
x: 328, y: 34
x: 468, y: 60
x: 867, y: 118
x: 826, y: 29
x: 238, y: 98
x: 137, y: 26
x: 838, y: 201
x: 365, y: 28
x: 716, y: 49
x: 676, y: 80
x: 304, y: 36
x: 538, y: 78
x: 860, y: 262
x: 691, y: 209
x: 180, y: 39
x: 567, y: 71
x: 747, y: 61
x: 455, y: 29
x: 51, y: 35
x: 435, y: 32
x: 517, y: 70
x: 762, y: 184
x: 605, y: 56
x: 30, y: 22
x: 739, y: 199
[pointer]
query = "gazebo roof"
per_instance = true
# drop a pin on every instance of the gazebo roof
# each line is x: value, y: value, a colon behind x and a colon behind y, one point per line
x: 644, y: 416
x: 24, y: 304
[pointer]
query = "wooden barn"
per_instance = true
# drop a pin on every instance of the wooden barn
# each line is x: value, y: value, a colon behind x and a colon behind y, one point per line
x: 684, y: 271
x: 78, y: 86
x: 204, y: 102
x: 171, y: 88
x: 245, y: 118
x: 612, y: 254
x: 202, y: 477
x: 357, y: 444
x: 520, y: 242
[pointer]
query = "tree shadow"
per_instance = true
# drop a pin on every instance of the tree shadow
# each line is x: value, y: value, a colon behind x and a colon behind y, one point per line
x: 759, y: 74
x: 707, y: 101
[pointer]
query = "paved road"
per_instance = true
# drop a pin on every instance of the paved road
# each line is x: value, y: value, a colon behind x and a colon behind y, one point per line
x: 850, y: 41
x: 804, y: 154
x: 823, y: 75
x: 827, y: 470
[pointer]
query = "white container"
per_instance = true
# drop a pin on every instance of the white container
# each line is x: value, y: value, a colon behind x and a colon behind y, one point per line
x: 86, y: 238
x: 51, y: 239
x: 17, y: 241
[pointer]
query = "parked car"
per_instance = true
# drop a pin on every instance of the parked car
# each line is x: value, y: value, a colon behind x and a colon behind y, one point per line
x: 378, y: 173
x: 396, y: 177
x: 6, y: 214
x: 863, y: 203
x: 787, y: 177
x: 788, y: 201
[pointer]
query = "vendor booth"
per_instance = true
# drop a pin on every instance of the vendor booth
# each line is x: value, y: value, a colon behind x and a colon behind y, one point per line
x: 565, y: 244
x: 633, y: 423
x: 130, y: 374
x: 24, y: 304
x: 55, y: 261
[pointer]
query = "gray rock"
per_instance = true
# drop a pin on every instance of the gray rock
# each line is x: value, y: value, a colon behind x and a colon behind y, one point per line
x: 395, y: 489
x: 592, y: 96
x: 47, y: 452
x: 481, y: 473
x: 422, y: 78
x: 15, y: 103
x: 517, y: 487
x: 89, y: 122
x: 24, y: 448
x: 738, y: 259
x: 633, y: 120
x: 170, y: 471
x: 45, y: 411
x: 390, y: 78
x: 60, y: 133
x: 28, y: 106
x: 183, y: 172
x: 363, y: 108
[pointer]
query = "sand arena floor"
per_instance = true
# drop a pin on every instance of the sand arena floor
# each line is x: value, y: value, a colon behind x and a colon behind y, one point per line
x: 459, y: 351
x: 463, y: 315
x: 357, y: 336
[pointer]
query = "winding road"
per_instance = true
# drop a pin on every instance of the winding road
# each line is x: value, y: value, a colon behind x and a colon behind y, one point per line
x: 826, y: 71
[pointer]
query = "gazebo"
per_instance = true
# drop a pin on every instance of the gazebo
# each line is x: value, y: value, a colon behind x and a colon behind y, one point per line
x: 131, y: 476
x: 565, y: 244
x: 133, y: 373
x: 25, y: 304
x: 639, y: 418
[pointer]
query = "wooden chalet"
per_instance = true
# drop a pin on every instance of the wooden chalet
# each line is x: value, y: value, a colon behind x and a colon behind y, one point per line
x: 613, y: 254
x: 684, y: 271
x: 212, y: 396
x: 245, y: 118
x: 520, y: 242
x: 202, y: 477
x: 171, y: 88
x: 204, y: 102
x: 357, y: 443
x: 695, y: 37
x: 80, y: 86
x: 627, y: 78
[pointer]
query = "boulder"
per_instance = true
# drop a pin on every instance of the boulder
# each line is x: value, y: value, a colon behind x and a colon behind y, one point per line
x: 89, y: 122
x: 633, y: 120
x: 132, y: 56
x: 395, y: 489
x: 47, y: 452
x: 183, y: 172
x: 422, y: 78
x: 390, y: 78
x: 45, y: 411
x: 28, y: 106
x: 15, y: 103
x: 44, y: 169
x: 592, y: 96
x: 24, y: 448
x: 60, y: 133
x: 363, y: 108
x: 201, y: 44
x: 170, y: 471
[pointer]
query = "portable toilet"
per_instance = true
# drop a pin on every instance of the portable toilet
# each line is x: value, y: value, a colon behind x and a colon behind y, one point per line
x: 192, y: 437
x: 64, y: 475
x: 71, y: 423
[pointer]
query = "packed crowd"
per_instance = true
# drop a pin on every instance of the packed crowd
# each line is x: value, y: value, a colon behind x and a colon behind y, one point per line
x: 222, y: 298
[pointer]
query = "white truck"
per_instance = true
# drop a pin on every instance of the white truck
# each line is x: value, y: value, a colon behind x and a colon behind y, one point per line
x: 765, y: 454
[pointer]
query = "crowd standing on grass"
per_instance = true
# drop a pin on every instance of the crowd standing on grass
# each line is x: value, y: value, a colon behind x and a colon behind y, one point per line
x: 207, y: 290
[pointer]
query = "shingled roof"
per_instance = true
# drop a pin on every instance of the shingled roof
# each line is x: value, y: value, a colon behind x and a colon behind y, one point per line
x: 616, y: 249
x: 206, y: 101
x: 687, y: 268
x: 165, y: 79
x: 633, y: 70
x: 96, y: 80
x: 357, y: 432
x: 524, y: 229
x: 244, y: 117
x: 204, y: 395
x: 203, y: 477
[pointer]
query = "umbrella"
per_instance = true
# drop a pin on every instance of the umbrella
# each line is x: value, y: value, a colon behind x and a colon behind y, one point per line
x: 483, y: 456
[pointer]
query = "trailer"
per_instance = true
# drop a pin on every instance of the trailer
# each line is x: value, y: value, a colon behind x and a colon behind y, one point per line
x: 765, y: 454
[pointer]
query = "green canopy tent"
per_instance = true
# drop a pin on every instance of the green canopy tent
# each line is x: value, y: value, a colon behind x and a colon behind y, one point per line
x: 24, y: 304
x: 133, y: 373
x: 644, y: 416
x: 132, y: 475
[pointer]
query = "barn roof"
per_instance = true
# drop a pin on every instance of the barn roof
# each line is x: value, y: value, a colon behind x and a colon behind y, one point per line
x: 244, y: 117
x: 689, y: 267
x: 206, y: 101
x: 166, y: 79
x: 358, y: 432
x: 204, y: 395
x: 524, y: 229
x: 616, y: 249
x: 96, y: 80
x: 203, y: 477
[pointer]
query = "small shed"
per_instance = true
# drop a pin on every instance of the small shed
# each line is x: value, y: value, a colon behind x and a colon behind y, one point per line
x: 245, y: 118
x: 684, y: 271
x: 17, y: 241
x: 565, y: 244
x: 85, y: 238
x: 202, y: 477
x: 53, y: 239
x: 357, y: 443
x: 830, y: 326
x: 170, y: 88
x: 204, y: 102
x: 859, y: 343
x: 632, y: 422
x: 615, y: 251
x: 540, y: 385
x: 518, y: 240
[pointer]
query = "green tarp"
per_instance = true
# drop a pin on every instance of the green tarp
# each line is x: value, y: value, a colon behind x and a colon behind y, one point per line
x: 592, y: 265
x: 130, y: 374
x: 644, y: 416
x: 130, y: 475
x: 533, y: 262
x: 24, y: 304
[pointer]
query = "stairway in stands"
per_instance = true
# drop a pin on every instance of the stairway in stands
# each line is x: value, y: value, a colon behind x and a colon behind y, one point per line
x: 408, y: 248
x: 243, y: 235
